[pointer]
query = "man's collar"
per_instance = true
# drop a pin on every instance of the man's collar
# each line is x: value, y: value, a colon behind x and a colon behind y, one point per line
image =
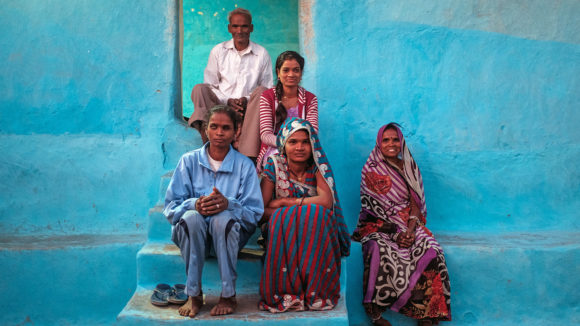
x: 230, y: 45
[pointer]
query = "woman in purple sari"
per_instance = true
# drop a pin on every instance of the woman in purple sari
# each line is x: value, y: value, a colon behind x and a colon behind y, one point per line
x: 404, y: 266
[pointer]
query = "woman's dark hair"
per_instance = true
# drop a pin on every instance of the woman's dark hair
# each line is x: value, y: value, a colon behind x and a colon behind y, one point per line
x: 281, y: 113
x: 225, y: 110
x: 393, y: 125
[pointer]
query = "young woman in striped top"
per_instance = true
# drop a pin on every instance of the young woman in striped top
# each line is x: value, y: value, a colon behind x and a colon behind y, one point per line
x: 286, y: 100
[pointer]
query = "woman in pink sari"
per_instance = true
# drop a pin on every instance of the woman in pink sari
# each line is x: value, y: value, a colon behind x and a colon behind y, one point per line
x: 404, y: 266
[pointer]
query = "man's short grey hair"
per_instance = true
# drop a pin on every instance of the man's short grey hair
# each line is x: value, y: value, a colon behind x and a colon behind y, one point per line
x: 240, y: 11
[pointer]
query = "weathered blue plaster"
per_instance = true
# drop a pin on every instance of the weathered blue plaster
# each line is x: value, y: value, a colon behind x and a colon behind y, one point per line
x: 70, y: 280
x: 87, y: 88
x: 70, y: 75
x: 539, y: 20
x: 489, y: 117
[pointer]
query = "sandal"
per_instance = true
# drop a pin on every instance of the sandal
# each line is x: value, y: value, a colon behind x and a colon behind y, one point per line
x: 161, y: 295
x: 178, y: 295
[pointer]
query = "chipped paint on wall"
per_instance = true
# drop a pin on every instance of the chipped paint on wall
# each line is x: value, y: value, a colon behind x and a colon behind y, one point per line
x: 307, y: 30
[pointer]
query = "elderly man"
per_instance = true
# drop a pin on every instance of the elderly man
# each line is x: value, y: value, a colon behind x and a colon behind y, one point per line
x: 213, y: 202
x: 237, y: 73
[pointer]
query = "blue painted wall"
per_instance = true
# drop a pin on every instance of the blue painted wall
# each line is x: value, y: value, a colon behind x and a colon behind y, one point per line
x: 489, y: 105
x: 86, y: 90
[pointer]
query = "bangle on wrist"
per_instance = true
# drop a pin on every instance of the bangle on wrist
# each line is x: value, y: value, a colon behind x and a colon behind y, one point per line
x: 301, y: 201
x: 396, y: 237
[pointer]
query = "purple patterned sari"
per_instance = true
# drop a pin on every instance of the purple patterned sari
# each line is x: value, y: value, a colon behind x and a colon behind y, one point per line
x: 413, y: 281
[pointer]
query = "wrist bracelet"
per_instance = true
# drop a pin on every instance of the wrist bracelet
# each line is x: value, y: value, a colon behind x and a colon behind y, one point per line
x: 396, y: 237
x: 417, y: 219
x: 301, y: 201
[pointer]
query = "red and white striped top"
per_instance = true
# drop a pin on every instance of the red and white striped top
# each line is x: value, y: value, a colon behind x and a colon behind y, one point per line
x: 307, y: 109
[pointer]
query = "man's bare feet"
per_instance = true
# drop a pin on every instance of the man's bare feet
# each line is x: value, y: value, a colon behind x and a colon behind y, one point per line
x: 192, y: 306
x: 225, y: 306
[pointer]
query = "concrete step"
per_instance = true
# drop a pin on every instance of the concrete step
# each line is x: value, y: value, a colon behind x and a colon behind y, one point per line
x: 161, y: 262
x: 82, y: 279
x: 139, y: 311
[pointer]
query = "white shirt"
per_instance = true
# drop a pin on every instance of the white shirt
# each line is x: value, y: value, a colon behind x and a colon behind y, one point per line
x: 215, y: 165
x: 234, y: 74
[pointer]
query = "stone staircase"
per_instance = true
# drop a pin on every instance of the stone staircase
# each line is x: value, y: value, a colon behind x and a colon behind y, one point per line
x: 159, y: 261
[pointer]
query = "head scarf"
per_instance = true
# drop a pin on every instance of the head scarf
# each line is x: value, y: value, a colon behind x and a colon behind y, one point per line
x: 411, y: 173
x: 289, y: 127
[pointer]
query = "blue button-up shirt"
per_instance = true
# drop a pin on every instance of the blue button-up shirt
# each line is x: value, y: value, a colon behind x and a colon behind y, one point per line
x: 236, y: 179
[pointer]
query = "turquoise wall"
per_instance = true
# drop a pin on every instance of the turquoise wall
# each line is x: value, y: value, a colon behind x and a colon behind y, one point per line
x: 489, y: 104
x: 86, y: 90
x: 205, y: 25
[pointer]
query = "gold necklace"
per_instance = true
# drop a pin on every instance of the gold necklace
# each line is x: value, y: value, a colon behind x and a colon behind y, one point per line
x: 299, y: 178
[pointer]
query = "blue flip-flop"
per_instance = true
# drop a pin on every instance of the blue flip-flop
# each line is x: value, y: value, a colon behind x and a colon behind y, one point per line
x: 178, y: 295
x: 161, y: 295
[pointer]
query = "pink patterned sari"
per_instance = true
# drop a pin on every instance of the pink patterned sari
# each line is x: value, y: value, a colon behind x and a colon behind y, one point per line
x: 413, y: 281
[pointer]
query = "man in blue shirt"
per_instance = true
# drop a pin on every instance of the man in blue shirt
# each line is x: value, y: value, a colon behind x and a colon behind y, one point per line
x: 214, y: 192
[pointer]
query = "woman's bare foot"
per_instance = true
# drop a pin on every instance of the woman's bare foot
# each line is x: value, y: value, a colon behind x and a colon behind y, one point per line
x: 375, y: 314
x: 225, y: 306
x: 424, y: 322
x: 192, y: 306
x: 381, y: 322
